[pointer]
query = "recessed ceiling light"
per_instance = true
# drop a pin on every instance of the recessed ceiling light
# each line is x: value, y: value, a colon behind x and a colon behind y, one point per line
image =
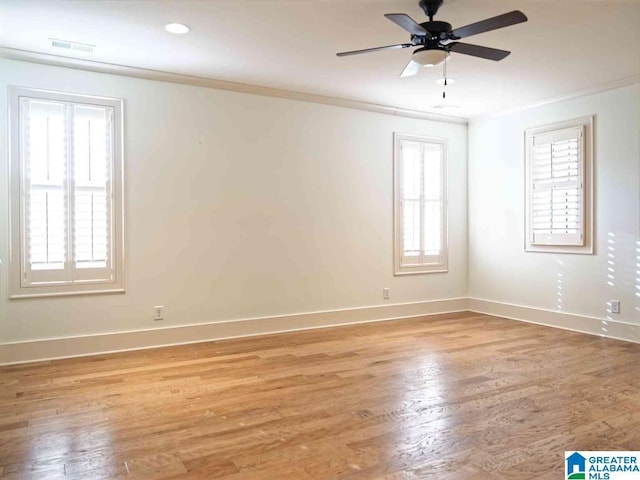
x: 450, y: 81
x: 177, y: 28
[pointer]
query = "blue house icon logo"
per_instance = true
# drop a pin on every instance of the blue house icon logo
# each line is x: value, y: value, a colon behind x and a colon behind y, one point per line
x: 576, y: 466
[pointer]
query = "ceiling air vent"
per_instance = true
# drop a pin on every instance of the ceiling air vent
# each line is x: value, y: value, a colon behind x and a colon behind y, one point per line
x: 73, y: 46
x: 445, y: 105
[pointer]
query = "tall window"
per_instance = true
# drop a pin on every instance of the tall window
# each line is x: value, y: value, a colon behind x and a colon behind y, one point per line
x: 558, y: 187
x: 420, y: 206
x: 66, y: 193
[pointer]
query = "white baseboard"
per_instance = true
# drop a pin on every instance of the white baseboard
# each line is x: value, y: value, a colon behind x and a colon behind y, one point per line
x: 55, y: 348
x: 603, y: 327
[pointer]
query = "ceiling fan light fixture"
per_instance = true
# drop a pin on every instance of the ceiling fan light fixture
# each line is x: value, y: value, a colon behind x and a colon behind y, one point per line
x: 430, y: 57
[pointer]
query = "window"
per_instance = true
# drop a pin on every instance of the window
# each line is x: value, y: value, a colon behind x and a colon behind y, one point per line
x: 420, y: 205
x: 559, y: 209
x: 66, y: 194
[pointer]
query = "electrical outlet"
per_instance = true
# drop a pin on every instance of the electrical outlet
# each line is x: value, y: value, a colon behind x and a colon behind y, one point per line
x: 386, y: 293
x: 158, y: 312
x: 615, y: 306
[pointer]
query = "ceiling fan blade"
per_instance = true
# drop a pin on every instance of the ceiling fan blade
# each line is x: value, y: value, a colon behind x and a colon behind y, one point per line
x: 375, y: 49
x: 411, y: 69
x: 408, y: 23
x: 489, y: 24
x: 478, y: 51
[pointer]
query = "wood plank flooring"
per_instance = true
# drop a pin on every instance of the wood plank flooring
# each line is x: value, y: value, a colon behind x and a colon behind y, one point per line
x: 454, y: 397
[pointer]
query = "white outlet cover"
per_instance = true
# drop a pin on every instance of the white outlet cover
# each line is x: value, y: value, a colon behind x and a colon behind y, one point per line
x: 615, y: 306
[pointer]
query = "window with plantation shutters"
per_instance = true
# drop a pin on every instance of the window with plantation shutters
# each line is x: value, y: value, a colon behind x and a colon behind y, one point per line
x: 558, y: 177
x: 420, y: 214
x: 66, y: 193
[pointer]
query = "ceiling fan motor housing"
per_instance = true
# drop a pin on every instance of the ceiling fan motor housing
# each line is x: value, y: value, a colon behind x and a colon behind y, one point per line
x: 437, y: 30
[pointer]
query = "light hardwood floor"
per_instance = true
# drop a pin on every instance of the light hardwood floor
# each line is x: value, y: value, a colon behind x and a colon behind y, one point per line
x: 458, y: 396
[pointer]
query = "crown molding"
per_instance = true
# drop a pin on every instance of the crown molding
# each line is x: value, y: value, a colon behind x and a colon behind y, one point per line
x: 585, y: 92
x: 158, y: 75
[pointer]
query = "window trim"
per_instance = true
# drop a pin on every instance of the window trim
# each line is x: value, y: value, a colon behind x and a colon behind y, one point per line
x: 586, y: 123
x: 443, y: 266
x: 16, y: 190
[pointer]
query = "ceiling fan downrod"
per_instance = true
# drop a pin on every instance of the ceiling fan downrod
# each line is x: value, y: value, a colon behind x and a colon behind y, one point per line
x: 430, y: 7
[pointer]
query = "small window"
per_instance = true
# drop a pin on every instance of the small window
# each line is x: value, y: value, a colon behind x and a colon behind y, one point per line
x: 420, y: 205
x: 558, y: 200
x: 66, y: 194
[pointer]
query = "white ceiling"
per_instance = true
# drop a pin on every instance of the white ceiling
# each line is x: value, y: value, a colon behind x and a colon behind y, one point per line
x: 567, y: 46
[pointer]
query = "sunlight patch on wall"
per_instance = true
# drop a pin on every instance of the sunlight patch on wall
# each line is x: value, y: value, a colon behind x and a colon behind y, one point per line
x: 611, y: 259
x: 637, y: 275
x: 611, y: 278
x: 559, y: 288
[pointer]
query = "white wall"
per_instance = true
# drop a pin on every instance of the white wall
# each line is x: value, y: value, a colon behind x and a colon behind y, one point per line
x: 500, y: 270
x: 240, y: 206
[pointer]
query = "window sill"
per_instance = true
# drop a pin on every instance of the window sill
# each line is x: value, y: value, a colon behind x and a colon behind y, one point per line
x: 18, y: 296
x: 421, y: 271
x: 583, y: 250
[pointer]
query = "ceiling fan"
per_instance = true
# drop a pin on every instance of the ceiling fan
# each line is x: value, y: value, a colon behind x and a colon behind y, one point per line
x: 437, y: 39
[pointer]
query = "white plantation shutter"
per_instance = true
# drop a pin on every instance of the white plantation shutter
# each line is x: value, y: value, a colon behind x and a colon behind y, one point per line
x: 411, y: 185
x: 432, y: 203
x: 91, y: 190
x: 66, y: 202
x: 419, y: 204
x: 45, y: 180
x: 556, y: 188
